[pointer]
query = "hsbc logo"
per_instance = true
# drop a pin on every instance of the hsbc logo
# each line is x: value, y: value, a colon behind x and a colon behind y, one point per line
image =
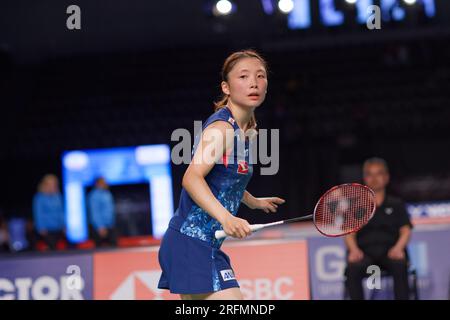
x: 281, y: 288
x: 139, y: 285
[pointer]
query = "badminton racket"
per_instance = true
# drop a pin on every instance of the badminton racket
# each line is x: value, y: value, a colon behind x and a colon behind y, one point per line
x: 343, y: 209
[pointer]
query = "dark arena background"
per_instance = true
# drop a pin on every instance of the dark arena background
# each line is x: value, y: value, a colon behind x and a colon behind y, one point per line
x: 102, y: 99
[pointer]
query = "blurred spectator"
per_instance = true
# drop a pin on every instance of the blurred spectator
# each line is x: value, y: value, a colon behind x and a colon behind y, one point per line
x: 17, y: 234
x: 101, y: 213
x: 383, y: 240
x: 48, y: 211
x: 4, y: 238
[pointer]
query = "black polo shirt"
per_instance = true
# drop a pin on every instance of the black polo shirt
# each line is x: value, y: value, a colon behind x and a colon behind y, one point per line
x: 382, y: 231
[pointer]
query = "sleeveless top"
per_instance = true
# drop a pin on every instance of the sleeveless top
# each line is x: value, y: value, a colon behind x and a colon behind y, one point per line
x: 227, y: 181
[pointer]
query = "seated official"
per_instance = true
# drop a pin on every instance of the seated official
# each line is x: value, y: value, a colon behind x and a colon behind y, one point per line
x: 383, y: 240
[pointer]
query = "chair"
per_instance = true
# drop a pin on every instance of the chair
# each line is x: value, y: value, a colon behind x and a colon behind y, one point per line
x: 413, y: 288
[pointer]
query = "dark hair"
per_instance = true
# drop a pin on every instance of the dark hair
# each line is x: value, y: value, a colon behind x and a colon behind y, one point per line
x: 228, y: 65
x: 376, y: 160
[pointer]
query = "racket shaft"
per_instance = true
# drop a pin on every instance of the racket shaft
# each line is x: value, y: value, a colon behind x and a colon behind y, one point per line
x: 308, y: 217
x: 219, y: 234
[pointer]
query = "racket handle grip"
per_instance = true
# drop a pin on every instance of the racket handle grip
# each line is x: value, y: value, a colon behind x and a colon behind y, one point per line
x: 220, y: 234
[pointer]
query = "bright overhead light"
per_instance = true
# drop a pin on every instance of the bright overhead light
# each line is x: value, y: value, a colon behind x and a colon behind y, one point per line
x: 286, y: 6
x: 223, y: 7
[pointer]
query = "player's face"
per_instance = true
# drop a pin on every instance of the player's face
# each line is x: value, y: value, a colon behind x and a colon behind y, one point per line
x: 376, y: 177
x: 247, y: 83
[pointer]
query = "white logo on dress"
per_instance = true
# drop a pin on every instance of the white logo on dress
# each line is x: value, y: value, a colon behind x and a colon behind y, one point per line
x: 227, y: 275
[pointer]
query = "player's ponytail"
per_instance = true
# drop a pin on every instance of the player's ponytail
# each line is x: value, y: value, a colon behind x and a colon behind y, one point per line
x: 228, y: 65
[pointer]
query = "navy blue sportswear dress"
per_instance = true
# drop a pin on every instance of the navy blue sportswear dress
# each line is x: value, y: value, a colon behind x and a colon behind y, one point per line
x: 190, y: 256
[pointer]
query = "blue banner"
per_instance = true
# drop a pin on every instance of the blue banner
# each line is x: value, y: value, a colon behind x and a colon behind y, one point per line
x: 62, y: 277
x: 427, y: 254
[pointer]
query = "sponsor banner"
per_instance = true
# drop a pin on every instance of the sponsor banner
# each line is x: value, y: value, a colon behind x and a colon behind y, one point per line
x: 327, y: 262
x: 62, y: 277
x: 429, y: 254
x: 264, y: 270
x: 327, y: 265
x: 128, y: 275
x: 270, y: 270
x: 438, y: 209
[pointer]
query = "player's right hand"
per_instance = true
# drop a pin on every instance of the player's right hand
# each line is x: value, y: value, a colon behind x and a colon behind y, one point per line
x: 236, y: 227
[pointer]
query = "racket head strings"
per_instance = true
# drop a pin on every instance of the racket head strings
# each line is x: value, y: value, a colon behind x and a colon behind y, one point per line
x: 344, y: 209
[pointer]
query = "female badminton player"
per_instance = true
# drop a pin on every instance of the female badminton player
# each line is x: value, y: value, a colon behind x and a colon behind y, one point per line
x: 190, y: 257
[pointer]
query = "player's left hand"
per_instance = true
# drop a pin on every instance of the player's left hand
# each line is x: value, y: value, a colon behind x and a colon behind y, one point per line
x: 396, y: 253
x: 268, y: 204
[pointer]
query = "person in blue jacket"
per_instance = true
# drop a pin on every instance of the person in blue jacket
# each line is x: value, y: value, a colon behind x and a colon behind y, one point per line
x: 48, y: 211
x: 101, y: 214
